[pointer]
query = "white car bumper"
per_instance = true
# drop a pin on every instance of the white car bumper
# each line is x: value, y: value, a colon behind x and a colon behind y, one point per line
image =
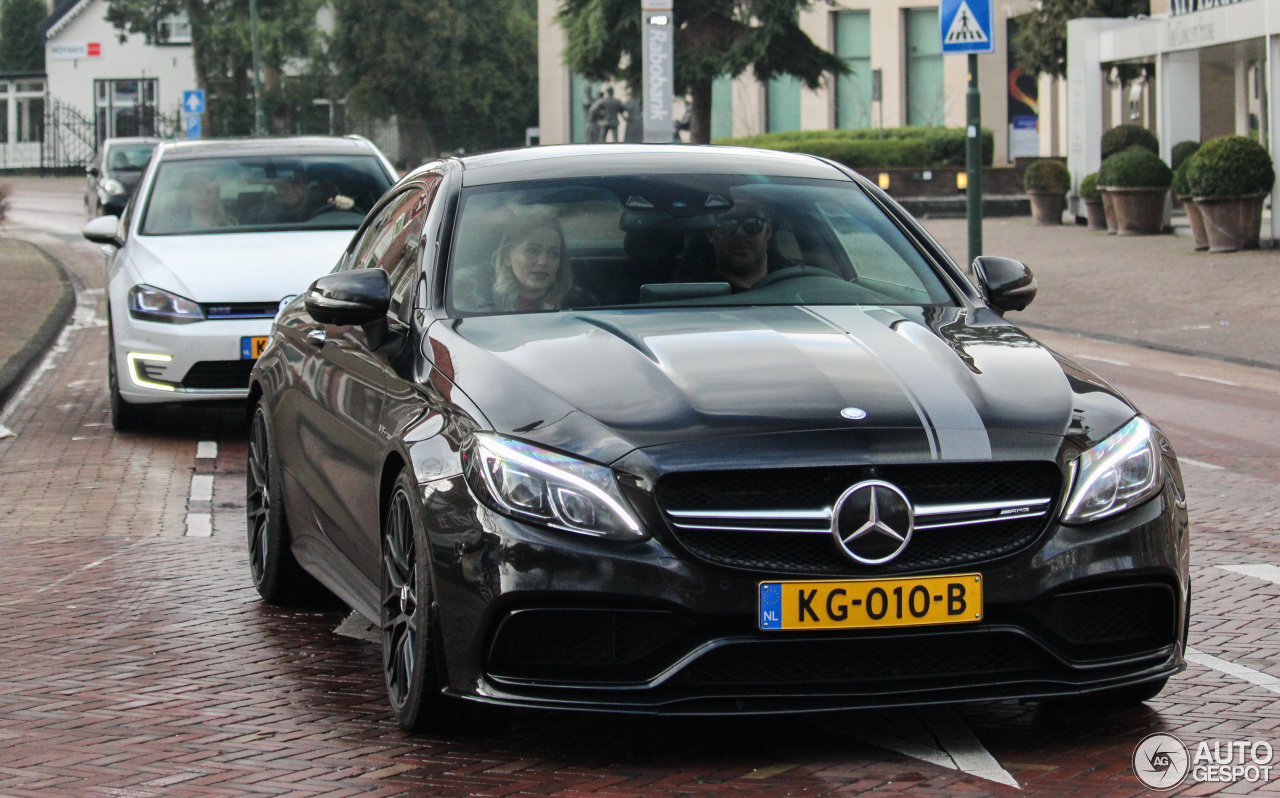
x: 159, y: 362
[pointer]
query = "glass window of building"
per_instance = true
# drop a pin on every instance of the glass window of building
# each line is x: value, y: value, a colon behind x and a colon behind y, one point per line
x: 174, y: 29
x: 926, y: 101
x: 853, y: 91
x: 125, y: 107
x: 722, y: 108
x: 783, y: 109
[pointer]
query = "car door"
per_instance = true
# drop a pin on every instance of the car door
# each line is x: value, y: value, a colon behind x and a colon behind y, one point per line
x: 342, y: 438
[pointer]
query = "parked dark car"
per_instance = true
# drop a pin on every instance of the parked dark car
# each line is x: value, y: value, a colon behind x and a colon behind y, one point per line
x: 688, y: 430
x: 115, y: 173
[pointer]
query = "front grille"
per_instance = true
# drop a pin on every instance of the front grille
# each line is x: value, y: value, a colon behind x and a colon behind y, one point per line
x: 582, y: 644
x: 218, y: 374
x: 240, y: 310
x: 812, y: 662
x: 778, y: 520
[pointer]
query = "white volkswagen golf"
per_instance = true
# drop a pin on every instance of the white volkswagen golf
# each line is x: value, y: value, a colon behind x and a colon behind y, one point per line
x: 218, y: 235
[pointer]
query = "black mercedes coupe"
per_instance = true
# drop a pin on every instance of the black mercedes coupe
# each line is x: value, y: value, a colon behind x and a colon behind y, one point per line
x: 699, y: 430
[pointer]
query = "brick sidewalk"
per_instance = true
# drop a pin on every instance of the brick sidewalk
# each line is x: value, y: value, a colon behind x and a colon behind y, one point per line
x: 1152, y: 289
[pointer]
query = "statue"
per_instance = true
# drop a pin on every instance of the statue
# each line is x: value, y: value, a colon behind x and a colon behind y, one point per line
x: 588, y: 107
x: 635, y: 122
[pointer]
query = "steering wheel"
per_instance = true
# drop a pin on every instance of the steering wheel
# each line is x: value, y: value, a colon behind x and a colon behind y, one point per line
x: 322, y: 210
x: 790, y: 273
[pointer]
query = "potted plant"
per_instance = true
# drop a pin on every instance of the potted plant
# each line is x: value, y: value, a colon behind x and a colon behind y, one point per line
x: 1137, y: 182
x: 1047, y: 181
x: 1229, y: 177
x: 1177, y: 157
x: 1182, y: 191
x: 1092, y: 199
x: 1126, y: 137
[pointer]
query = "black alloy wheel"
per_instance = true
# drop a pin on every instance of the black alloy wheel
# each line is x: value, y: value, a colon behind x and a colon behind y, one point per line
x: 276, y: 574
x: 410, y: 643
x: 124, y: 416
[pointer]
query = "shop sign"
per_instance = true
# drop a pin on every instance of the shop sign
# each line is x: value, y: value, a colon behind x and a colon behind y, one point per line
x: 74, y: 51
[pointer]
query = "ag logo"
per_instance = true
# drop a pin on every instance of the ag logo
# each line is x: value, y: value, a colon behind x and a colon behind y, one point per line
x: 1161, y: 761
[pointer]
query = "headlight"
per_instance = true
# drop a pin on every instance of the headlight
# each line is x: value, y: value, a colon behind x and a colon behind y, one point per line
x: 113, y: 187
x: 551, y: 489
x: 1121, y: 472
x: 152, y: 304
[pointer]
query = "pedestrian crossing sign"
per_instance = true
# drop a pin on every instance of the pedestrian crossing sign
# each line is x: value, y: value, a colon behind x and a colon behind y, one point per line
x: 966, y: 26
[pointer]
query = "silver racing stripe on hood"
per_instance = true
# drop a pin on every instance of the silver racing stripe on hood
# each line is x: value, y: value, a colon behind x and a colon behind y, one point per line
x: 955, y: 429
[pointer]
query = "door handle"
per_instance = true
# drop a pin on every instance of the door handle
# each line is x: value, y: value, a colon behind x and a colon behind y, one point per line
x: 315, y: 337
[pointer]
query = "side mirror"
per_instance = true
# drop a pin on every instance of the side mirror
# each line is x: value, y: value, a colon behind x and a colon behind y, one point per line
x: 349, y: 298
x: 1006, y: 284
x: 104, y: 230
x: 93, y: 170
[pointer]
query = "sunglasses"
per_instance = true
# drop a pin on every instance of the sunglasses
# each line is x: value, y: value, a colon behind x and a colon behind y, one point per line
x: 752, y: 225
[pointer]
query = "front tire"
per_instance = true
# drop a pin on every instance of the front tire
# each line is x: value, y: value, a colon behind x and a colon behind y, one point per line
x: 124, y: 416
x: 276, y: 574
x: 410, y: 632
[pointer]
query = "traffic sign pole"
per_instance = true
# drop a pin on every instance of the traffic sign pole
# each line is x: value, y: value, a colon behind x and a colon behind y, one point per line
x: 973, y: 159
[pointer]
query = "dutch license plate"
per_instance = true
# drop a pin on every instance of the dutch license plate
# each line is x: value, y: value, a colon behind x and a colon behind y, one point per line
x: 251, y: 348
x: 871, y: 603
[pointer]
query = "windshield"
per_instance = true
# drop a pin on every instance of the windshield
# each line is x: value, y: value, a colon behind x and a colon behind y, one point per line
x: 129, y: 157
x: 264, y: 193
x: 681, y: 240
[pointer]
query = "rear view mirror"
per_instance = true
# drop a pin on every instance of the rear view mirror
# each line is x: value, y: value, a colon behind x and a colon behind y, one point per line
x: 93, y: 170
x: 349, y: 298
x: 103, y: 230
x: 1005, y: 283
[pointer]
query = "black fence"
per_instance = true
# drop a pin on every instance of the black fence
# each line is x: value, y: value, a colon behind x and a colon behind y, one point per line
x: 69, y: 140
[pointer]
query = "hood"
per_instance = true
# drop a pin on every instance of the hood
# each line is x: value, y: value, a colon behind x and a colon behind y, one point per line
x: 943, y: 384
x: 237, y: 267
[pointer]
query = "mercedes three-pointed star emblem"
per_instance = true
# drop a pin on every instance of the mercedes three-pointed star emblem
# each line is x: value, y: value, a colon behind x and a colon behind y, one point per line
x: 872, y: 522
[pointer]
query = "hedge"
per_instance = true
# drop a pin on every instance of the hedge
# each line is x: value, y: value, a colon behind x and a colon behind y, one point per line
x: 1230, y: 166
x: 926, y: 147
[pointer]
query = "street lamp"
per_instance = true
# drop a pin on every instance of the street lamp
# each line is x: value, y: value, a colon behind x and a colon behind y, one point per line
x: 259, y: 123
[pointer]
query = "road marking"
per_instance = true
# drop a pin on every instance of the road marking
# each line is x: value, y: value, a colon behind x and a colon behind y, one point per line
x: 207, y: 450
x: 1206, y: 379
x: 937, y: 736
x: 1270, y: 573
x: 1263, y: 680
x: 202, y: 488
x: 355, y: 625
x: 1082, y: 356
x: 199, y: 525
x: 1198, y: 464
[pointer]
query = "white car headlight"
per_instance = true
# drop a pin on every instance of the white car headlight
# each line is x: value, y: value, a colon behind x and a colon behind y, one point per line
x: 1120, y: 473
x: 113, y: 187
x: 551, y: 489
x: 153, y: 304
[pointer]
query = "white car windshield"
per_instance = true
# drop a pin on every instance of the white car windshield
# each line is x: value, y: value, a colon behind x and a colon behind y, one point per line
x: 263, y: 193
x: 646, y: 241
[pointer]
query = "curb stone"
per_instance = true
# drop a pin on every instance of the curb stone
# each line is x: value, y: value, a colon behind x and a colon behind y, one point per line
x: 25, y: 359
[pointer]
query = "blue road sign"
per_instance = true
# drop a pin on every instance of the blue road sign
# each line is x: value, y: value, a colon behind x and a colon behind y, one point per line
x: 193, y: 101
x: 967, y: 26
x: 194, y: 125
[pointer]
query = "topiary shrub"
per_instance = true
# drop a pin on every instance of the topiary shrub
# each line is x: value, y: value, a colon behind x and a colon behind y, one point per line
x: 1181, y: 152
x: 1089, y: 187
x: 1230, y: 166
x: 1124, y: 137
x: 1047, y: 175
x: 1180, y: 186
x: 1134, y: 168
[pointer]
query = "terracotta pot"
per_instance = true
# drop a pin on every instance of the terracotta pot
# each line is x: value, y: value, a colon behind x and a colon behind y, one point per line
x: 1097, y: 215
x: 1047, y: 206
x: 1197, y: 223
x: 1108, y: 210
x: 1139, y: 211
x: 1232, y: 222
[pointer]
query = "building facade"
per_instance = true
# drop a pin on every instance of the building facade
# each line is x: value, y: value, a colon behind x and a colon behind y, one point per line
x: 899, y: 38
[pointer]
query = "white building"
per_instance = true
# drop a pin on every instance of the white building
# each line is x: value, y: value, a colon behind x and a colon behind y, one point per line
x: 900, y: 38
x: 120, y: 86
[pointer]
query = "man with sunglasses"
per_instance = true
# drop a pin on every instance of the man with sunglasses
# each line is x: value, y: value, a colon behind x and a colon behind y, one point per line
x: 741, y: 242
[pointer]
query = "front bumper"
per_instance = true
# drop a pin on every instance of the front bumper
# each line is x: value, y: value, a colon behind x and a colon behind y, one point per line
x: 159, y: 362
x: 534, y: 618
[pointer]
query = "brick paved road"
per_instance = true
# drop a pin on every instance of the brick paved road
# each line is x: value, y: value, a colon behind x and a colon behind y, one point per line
x: 136, y: 661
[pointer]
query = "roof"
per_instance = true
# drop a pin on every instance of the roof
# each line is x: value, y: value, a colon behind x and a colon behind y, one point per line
x: 590, y: 160
x: 239, y: 148
x: 63, y: 13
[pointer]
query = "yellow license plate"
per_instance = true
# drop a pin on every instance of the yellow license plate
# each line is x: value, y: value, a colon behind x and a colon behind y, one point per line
x: 251, y: 348
x: 871, y: 603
